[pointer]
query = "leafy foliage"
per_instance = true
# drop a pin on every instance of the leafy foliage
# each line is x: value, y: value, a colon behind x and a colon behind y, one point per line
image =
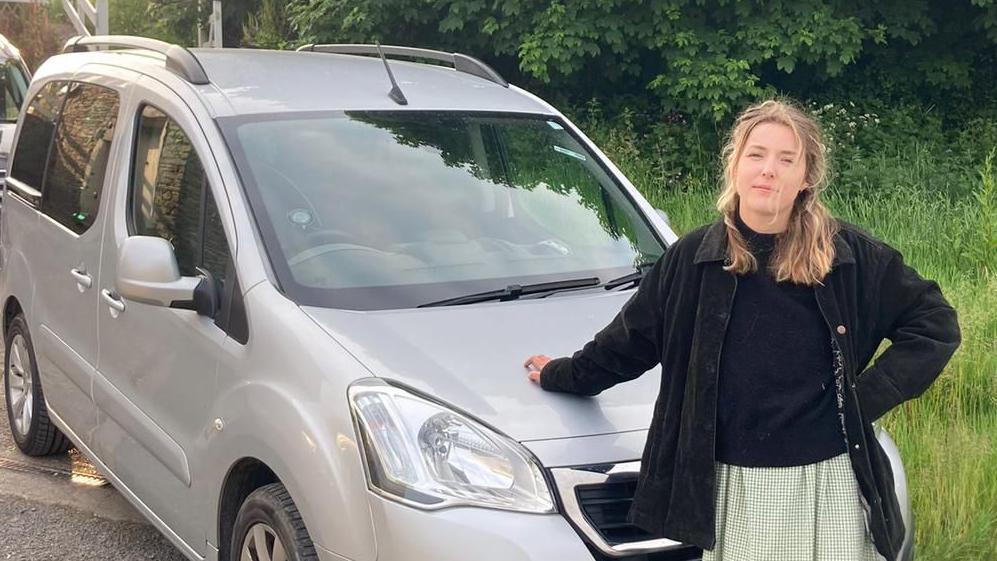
x: 177, y: 21
x: 704, y: 57
x: 269, y: 28
x: 30, y: 27
x: 984, y: 251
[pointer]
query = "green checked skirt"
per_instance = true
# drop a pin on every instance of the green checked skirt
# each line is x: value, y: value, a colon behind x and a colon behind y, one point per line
x: 800, y: 513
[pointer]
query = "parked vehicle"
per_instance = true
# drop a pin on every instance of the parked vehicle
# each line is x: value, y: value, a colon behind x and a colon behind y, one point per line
x: 14, y: 77
x: 281, y: 300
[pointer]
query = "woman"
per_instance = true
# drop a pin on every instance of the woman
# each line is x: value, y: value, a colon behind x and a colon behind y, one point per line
x: 761, y: 445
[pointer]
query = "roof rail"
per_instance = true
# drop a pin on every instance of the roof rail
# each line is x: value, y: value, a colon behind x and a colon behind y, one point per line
x: 460, y: 62
x: 179, y: 60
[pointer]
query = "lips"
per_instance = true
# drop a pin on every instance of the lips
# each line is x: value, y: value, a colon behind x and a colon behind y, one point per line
x: 762, y: 187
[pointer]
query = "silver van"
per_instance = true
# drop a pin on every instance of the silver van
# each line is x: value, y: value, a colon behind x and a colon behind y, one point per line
x: 281, y: 300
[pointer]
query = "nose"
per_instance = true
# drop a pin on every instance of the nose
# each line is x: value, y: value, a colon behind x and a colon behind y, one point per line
x: 768, y: 169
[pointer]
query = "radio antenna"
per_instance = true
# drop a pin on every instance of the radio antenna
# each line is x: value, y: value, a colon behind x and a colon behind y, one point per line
x: 396, y: 92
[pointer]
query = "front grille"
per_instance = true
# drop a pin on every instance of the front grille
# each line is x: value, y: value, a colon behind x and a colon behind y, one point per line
x: 606, y: 507
x: 596, y: 500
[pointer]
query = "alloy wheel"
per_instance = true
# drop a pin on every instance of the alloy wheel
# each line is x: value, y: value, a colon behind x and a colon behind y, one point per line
x: 20, y: 386
x: 262, y: 544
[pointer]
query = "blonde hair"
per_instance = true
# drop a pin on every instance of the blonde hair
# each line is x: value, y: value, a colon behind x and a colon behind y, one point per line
x: 804, y: 252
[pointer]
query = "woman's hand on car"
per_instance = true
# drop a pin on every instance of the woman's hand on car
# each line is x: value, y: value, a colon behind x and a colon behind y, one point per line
x: 535, y: 364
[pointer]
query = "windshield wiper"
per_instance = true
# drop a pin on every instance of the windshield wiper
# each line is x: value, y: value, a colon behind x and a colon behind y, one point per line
x: 629, y: 278
x: 514, y: 291
x: 634, y: 277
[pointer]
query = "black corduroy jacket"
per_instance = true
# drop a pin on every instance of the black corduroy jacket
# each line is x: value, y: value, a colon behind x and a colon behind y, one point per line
x: 678, y: 318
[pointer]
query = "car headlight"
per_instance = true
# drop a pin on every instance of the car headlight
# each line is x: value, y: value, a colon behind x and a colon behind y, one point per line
x: 428, y: 456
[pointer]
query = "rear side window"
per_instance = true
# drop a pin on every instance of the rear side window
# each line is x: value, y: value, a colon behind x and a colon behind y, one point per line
x: 75, y: 175
x: 36, y: 135
x: 170, y: 196
x: 12, y: 86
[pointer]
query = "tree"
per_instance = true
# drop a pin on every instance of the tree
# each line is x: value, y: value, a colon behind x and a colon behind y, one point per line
x: 176, y: 21
x: 705, y: 57
x: 269, y: 28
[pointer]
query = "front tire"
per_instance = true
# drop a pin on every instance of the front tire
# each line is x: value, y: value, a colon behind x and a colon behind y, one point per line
x: 269, y: 528
x: 32, y: 429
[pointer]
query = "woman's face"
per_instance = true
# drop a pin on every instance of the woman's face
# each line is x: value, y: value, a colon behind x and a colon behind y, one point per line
x: 768, y: 176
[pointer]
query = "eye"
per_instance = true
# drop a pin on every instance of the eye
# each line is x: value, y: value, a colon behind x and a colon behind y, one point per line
x: 788, y: 160
x: 754, y: 156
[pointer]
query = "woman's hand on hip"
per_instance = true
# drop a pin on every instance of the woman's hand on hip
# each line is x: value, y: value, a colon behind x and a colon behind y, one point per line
x: 534, y: 365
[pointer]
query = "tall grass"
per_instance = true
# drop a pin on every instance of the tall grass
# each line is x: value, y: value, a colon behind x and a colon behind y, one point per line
x: 947, y: 437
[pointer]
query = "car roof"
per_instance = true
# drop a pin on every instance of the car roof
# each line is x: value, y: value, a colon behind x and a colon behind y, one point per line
x: 250, y: 81
x: 8, y: 50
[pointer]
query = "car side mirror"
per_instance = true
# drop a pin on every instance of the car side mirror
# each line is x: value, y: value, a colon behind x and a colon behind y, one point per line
x: 663, y: 215
x: 148, y: 273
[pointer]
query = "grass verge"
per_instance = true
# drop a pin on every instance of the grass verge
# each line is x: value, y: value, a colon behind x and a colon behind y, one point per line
x: 948, y: 437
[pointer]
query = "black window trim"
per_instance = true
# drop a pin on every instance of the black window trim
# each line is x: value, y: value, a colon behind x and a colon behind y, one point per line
x: 35, y: 202
x: 132, y: 158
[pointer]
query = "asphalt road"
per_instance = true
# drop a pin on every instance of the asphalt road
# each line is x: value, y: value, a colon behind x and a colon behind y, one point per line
x: 45, y: 517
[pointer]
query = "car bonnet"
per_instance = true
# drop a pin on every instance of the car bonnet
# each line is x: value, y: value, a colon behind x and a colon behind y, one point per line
x: 471, y: 357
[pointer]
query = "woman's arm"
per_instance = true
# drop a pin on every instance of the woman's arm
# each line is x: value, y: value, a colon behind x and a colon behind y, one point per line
x: 924, y: 332
x: 623, y: 350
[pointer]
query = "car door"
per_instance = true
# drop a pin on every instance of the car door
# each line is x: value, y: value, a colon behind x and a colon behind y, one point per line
x: 59, y: 169
x: 157, y: 365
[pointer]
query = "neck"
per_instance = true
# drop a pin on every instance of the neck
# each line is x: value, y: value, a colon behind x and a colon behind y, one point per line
x: 764, y: 223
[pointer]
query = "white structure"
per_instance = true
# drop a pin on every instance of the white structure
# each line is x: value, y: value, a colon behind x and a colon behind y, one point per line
x: 82, y: 12
x: 83, y: 15
x: 213, y: 36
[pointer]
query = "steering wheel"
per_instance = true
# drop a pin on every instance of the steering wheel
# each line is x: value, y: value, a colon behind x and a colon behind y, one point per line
x: 327, y: 250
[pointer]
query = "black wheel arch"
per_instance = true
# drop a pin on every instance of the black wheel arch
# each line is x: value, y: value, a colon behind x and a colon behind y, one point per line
x: 245, y: 476
x: 11, y: 309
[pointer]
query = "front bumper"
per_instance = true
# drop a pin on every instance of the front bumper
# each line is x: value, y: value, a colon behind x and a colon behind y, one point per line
x: 592, y: 503
x: 406, y: 534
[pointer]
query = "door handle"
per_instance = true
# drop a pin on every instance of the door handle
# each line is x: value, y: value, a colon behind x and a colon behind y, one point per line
x: 82, y: 278
x: 112, y: 300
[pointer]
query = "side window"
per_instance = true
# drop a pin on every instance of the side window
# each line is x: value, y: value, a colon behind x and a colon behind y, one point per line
x: 75, y: 174
x: 170, y: 196
x: 30, y: 156
x: 12, y: 86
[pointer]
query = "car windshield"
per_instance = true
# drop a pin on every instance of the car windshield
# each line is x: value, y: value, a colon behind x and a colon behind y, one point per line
x: 378, y: 210
x: 13, y: 84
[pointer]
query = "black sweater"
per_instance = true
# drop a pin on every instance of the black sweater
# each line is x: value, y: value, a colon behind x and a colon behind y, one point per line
x: 777, y: 397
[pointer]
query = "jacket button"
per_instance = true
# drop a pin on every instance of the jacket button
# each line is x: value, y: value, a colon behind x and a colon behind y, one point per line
x: 841, y: 330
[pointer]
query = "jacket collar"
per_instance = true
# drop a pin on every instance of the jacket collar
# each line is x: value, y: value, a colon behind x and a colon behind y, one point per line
x: 714, y: 247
